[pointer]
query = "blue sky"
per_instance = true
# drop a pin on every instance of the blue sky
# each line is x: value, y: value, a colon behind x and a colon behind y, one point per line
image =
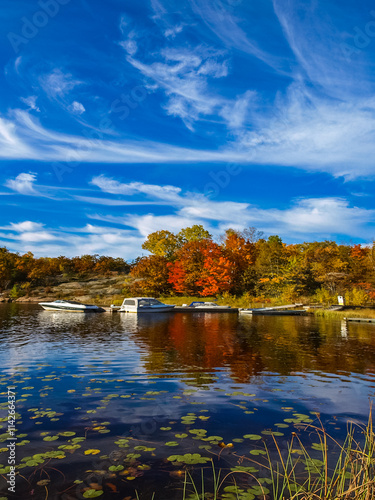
x: 121, y: 118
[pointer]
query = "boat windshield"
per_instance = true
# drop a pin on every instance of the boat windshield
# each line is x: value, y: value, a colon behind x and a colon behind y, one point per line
x: 129, y: 302
x: 69, y: 302
x: 154, y: 302
x: 149, y: 302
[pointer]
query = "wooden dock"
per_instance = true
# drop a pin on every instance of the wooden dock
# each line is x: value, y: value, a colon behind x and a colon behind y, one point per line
x: 261, y: 312
x: 361, y: 320
x: 280, y: 308
x: 185, y: 309
x: 287, y: 310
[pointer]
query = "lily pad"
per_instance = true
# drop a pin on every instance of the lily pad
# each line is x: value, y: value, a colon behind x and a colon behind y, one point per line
x: 92, y: 493
x: 189, y: 458
x: 91, y: 452
x: 253, y: 437
x: 115, y: 468
x: 50, y: 438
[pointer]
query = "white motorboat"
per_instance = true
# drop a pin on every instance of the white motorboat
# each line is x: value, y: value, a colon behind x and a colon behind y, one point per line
x: 144, y: 305
x: 69, y: 306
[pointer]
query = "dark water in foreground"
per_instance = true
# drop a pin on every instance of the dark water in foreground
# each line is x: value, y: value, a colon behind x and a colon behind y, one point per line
x: 103, y: 400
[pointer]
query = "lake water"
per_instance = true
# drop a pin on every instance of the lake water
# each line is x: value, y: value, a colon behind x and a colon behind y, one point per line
x: 103, y: 400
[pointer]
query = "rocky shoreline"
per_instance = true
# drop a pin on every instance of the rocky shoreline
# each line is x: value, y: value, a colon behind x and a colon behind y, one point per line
x: 95, y: 290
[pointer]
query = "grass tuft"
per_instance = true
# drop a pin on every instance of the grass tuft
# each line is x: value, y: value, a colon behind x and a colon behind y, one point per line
x: 329, y: 471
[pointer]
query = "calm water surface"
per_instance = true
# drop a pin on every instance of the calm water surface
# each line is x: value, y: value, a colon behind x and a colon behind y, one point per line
x: 103, y: 400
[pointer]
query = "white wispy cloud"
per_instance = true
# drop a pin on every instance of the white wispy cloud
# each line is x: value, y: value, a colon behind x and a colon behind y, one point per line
x: 116, y: 203
x: 323, y: 121
x: 236, y: 112
x: 11, y: 144
x: 309, y: 217
x: 183, y: 75
x: 311, y: 134
x: 41, y: 241
x: 315, y: 218
x: 320, y: 217
x: 146, y: 224
x: 26, y: 138
x: 304, y: 219
x: 23, y: 183
x: 76, y: 108
x: 315, y: 36
x: 37, y: 237
x: 129, y: 44
x: 30, y: 102
x: 108, y: 185
x: 173, y: 31
x: 305, y: 130
x: 58, y: 84
x: 227, y: 27
x: 25, y: 226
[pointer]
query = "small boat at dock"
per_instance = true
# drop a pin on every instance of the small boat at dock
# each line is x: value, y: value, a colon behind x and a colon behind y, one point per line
x: 70, y: 306
x: 144, y: 305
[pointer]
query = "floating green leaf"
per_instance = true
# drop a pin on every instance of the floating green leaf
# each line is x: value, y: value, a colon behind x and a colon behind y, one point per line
x: 92, y: 493
x: 318, y: 446
x: 240, y: 468
x: 253, y: 437
x: 258, y: 452
x: 189, y: 458
x: 116, y: 468
x: 50, y: 438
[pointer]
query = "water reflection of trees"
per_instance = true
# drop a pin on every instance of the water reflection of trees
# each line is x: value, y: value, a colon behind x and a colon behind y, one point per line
x: 196, y: 346
x: 249, y: 347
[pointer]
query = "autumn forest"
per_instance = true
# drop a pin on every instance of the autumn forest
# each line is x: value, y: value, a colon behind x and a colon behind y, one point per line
x: 192, y: 263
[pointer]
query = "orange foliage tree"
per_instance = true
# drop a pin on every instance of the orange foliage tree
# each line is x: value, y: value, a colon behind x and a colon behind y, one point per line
x: 151, y: 276
x: 201, y: 268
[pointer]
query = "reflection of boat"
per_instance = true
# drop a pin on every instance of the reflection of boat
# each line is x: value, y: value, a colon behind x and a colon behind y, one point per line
x: 69, y: 306
x: 55, y: 319
x: 133, y: 323
x: 144, y: 305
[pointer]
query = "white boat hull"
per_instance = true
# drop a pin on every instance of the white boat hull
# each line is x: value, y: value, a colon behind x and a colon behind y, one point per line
x: 141, y: 305
x: 147, y: 310
x: 66, y: 306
